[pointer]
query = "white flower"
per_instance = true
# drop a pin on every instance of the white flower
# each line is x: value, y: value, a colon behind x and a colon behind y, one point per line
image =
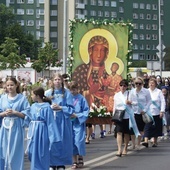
x: 98, y: 110
x: 91, y: 110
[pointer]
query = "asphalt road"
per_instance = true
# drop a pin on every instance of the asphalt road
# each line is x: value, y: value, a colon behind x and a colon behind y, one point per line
x: 101, y: 156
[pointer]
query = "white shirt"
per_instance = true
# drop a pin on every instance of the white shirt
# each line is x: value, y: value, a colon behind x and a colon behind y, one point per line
x: 120, y: 102
x: 142, y: 97
x: 159, y: 100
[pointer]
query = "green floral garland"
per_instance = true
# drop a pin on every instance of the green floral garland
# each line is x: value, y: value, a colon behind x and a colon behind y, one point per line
x: 98, y: 23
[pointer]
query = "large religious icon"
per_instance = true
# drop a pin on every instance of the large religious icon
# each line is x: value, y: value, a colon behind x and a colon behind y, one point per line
x: 100, y: 62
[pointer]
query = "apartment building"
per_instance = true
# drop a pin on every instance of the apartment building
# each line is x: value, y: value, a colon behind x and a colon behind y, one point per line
x: 48, y: 20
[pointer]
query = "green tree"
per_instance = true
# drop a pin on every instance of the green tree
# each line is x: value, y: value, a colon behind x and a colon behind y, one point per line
x: 166, y: 59
x: 10, y: 28
x: 9, y: 56
x: 47, y: 57
x: 6, y: 20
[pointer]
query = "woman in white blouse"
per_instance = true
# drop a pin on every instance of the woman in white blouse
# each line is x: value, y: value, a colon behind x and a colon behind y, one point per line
x: 122, y: 128
x: 157, y: 109
x: 141, y: 101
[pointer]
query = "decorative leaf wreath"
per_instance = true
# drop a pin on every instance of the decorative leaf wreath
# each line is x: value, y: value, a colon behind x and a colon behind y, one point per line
x: 72, y: 26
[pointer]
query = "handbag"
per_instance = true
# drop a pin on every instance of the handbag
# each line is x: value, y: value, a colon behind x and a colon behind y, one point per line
x: 118, y: 116
x: 146, y: 118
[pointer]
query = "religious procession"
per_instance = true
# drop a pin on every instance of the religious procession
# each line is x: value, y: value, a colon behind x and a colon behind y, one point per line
x: 61, y: 123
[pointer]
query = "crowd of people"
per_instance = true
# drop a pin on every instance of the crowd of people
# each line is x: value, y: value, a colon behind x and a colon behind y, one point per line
x: 55, y: 117
x: 55, y: 113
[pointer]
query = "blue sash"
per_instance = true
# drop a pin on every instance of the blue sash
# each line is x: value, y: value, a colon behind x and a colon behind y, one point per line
x: 132, y: 122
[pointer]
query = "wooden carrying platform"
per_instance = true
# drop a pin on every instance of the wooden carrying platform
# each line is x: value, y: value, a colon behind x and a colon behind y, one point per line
x: 99, y: 120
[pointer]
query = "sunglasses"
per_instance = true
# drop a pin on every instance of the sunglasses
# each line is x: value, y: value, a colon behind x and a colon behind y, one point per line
x: 123, y: 85
x: 138, y: 83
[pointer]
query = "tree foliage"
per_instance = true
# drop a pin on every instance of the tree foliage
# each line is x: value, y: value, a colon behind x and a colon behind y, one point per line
x: 47, y: 57
x: 10, y: 28
x: 9, y: 56
x: 166, y: 59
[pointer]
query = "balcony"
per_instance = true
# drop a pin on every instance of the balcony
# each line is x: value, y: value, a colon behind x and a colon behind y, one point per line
x: 80, y: 16
x: 80, y: 6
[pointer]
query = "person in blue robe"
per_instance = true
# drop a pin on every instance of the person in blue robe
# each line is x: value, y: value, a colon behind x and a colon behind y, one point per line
x: 78, y: 125
x: 41, y: 134
x: 62, y: 105
x: 14, y: 110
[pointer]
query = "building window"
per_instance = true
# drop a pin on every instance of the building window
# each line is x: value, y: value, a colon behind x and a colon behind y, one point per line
x: 135, y: 36
x: 93, y: 2
x: 53, y: 12
x: 162, y: 32
x: 162, y: 2
x: 135, y: 5
x: 121, y: 10
x: 30, y: 22
x: 40, y: 11
x: 148, y: 6
x: 100, y: 13
x: 141, y: 47
x: 142, y: 56
x: 148, y: 16
x: 53, y: 34
x: 42, y: 2
x: 154, y: 27
x: 100, y: 3
x: 154, y: 17
x: 148, y: 26
x: 30, y: 1
x: 20, y: 11
x: 154, y: 37
x: 148, y: 37
x: 53, y: 2
x: 154, y: 57
x: 21, y: 22
x: 135, y: 16
x: 121, y: 0
x: 148, y: 57
x: 135, y: 26
x: 106, y: 3
x: 141, y: 37
x: 141, y: 16
x: 30, y: 11
x: 153, y: 47
x: 142, y: 6
x: 20, y: 1
x: 113, y: 14
x: 113, y: 4
x: 141, y: 26
x: 41, y: 34
x: 54, y: 44
x: 106, y: 14
x: 11, y: 1
x: 162, y: 12
x: 148, y: 47
x: 135, y: 47
x: 154, y: 7
x: 40, y: 22
x: 162, y: 22
x: 93, y: 13
x: 53, y: 23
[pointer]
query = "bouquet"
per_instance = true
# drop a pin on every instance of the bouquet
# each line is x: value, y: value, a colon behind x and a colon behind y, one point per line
x: 100, y: 111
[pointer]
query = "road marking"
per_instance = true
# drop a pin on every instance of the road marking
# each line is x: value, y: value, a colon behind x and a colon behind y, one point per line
x: 112, y: 155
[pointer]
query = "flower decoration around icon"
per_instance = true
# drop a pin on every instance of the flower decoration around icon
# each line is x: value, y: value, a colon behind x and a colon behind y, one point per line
x: 100, y: 111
